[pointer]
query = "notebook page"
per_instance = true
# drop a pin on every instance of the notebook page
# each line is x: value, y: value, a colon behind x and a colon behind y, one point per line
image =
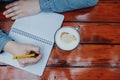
x: 21, y: 33
x: 43, y: 25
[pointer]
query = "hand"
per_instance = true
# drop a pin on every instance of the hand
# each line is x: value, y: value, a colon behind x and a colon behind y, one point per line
x: 22, y: 8
x: 17, y: 49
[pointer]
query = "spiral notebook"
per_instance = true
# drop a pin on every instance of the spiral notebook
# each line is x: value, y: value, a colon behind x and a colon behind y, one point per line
x: 38, y: 30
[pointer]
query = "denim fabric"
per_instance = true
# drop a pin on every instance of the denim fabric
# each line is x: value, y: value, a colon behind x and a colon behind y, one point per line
x: 62, y: 5
x: 65, y: 5
x: 7, y: 0
x: 3, y: 40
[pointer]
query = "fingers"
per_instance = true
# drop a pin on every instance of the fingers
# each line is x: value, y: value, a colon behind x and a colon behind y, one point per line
x: 12, y: 14
x: 38, y: 58
x: 17, y: 16
x: 11, y: 5
x: 27, y: 49
x: 34, y: 49
x: 13, y: 11
x: 27, y: 7
x: 29, y: 61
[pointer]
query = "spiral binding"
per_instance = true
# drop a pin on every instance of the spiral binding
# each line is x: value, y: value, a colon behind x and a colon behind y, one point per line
x: 20, y: 32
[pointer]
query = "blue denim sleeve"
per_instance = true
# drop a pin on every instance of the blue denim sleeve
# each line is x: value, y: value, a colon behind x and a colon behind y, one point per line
x: 3, y: 40
x: 7, y: 0
x: 65, y: 5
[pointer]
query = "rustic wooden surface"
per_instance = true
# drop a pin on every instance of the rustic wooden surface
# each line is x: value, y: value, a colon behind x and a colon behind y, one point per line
x: 11, y: 73
x: 96, y: 58
x: 105, y: 11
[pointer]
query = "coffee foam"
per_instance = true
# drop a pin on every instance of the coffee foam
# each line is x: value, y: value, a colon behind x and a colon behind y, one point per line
x: 67, y: 38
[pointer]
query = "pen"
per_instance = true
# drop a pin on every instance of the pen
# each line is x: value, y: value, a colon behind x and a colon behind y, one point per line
x: 24, y: 56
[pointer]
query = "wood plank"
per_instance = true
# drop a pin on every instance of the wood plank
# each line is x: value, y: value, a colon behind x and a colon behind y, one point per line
x: 81, y: 74
x: 98, y: 33
x: 2, y: 8
x: 109, y: 1
x: 86, y: 56
x: 11, y: 73
x: 103, y: 12
x: 6, y: 25
x: 106, y: 33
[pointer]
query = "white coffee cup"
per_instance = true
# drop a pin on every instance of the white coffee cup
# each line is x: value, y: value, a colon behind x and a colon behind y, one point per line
x: 67, y: 38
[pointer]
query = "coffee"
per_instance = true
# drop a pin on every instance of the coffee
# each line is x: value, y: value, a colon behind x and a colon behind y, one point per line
x: 67, y: 38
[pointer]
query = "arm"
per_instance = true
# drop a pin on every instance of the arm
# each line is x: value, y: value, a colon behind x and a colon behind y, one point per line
x: 17, y: 49
x: 3, y: 40
x: 65, y: 5
x: 22, y: 8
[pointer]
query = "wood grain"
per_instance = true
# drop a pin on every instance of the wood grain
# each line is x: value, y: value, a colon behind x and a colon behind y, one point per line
x: 11, y: 73
x: 96, y: 58
x: 109, y: 1
x: 97, y: 33
x: 87, y: 55
x: 103, y: 12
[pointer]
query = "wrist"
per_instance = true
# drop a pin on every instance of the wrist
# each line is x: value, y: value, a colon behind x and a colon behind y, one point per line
x: 10, y: 46
x: 38, y: 3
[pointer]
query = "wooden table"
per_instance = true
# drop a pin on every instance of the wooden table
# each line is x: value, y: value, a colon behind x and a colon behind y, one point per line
x: 96, y: 58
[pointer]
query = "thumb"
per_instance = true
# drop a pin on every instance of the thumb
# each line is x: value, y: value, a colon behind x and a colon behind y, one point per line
x: 35, y: 49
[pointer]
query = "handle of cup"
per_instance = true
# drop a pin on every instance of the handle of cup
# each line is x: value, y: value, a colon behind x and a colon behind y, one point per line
x: 77, y: 28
